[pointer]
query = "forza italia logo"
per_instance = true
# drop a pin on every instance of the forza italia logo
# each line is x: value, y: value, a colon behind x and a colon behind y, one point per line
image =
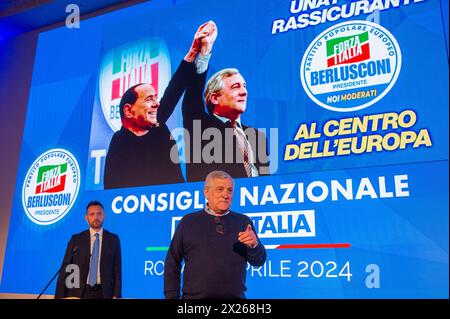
x: 350, y: 66
x: 51, y: 178
x: 51, y: 187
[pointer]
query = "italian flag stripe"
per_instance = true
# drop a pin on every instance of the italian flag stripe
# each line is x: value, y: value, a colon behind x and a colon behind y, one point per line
x: 270, y: 247
x: 307, y: 246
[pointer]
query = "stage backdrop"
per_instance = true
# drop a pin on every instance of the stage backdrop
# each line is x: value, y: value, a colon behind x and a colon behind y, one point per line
x: 353, y: 98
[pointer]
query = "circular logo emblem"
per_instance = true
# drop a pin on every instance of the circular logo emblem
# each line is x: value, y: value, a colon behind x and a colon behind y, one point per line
x: 350, y: 66
x: 134, y: 63
x: 51, y: 186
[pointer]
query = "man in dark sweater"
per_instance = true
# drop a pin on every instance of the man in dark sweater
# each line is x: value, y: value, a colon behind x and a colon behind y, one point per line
x: 215, y: 244
x: 141, y: 152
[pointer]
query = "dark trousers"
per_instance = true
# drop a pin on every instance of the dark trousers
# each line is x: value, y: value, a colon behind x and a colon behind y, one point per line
x: 94, y: 292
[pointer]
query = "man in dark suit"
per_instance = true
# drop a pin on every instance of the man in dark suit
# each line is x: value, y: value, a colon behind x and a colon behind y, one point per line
x: 97, y: 255
x: 217, y: 140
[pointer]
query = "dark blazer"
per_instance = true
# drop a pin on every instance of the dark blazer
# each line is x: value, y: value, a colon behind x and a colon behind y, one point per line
x: 193, y: 108
x: 78, y: 252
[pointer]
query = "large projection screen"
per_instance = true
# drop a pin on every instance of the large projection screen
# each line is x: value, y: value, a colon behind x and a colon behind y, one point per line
x: 351, y: 95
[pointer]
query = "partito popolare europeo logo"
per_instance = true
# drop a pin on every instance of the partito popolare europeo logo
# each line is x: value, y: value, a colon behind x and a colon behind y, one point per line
x: 51, y: 186
x: 350, y: 66
x: 137, y: 62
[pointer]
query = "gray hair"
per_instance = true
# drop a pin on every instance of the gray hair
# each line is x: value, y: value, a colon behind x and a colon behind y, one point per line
x: 216, y: 174
x: 215, y: 84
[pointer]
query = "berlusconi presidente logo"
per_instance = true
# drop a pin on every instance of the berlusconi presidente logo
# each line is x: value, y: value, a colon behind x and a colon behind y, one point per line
x: 350, y: 66
x: 51, y: 186
x: 137, y: 62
